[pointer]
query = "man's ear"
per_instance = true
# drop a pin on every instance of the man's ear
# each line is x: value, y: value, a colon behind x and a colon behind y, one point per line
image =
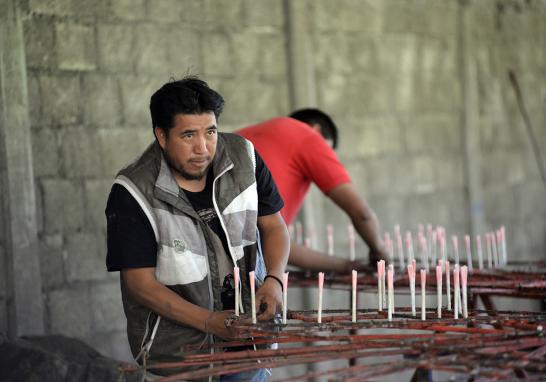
x: 161, y: 136
x: 316, y: 127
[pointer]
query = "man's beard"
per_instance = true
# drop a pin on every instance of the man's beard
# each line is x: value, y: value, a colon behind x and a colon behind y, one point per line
x: 184, y: 174
x: 188, y: 176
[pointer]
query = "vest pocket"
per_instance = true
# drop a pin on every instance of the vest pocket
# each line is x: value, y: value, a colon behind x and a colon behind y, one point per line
x: 175, y: 267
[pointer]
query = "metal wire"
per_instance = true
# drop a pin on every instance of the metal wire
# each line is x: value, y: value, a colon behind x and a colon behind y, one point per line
x: 489, y: 345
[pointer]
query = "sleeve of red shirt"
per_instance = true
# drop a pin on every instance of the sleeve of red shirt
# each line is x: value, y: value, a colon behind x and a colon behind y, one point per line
x: 318, y: 161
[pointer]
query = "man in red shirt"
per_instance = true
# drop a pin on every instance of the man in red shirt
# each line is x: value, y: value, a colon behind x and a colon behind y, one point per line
x: 298, y: 151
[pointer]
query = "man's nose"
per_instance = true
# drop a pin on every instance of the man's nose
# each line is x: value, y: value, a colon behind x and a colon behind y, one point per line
x: 201, y: 145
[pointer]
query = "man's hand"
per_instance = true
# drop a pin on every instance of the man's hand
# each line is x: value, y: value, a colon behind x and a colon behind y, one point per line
x: 268, y: 297
x: 215, y: 324
x: 376, y: 255
x: 357, y: 265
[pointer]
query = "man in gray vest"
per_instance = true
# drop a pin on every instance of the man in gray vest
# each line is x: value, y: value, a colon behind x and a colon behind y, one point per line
x: 193, y: 206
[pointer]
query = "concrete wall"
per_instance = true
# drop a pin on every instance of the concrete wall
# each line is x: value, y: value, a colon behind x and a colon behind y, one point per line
x: 388, y: 71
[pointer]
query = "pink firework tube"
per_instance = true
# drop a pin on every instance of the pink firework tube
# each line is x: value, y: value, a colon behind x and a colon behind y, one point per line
x: 480, y: 252
x: 299, y: 233
x: 434, y: 249
x: 284, y: 296
x: 252, y: 295
x: 383, y: 283
x: 448, y: 286
x: 439, y: 289
x: 409, y: 246
x: 397, y: 230
x: 464, y: 279
x: 330, y: 236
x: 351, y: 233
x: 503, y: 245
x: 390, y: 280
x: 425, y: 259
x: 494, y: 247
x: 237, y: 295
x: 499, y: 246
x: 414, y: 263
x: 411, y: 276
x: 468, y: 248
x: 390, y: 247
x: 455, y: 241
x: 421, y: 229
x: 379, y: 285
x: 429, y: 240
x: 456, y: 286
x: 489, y: 254
x: 423, y: 294
x: 308, y: 242
x: 400, y: 247
x: 443, y: 248
x: 320, y: 288
x: 353, y: 305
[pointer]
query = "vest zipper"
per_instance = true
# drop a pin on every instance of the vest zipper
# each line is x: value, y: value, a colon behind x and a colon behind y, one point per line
x: 220, y: 218
x: 220, y: 214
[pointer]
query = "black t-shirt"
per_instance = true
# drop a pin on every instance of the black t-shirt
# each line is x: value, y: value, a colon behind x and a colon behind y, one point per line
x: 130, y: 238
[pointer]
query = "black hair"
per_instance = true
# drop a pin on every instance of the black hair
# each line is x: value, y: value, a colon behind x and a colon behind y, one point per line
x: 312, y: 116
x: 190, y: 95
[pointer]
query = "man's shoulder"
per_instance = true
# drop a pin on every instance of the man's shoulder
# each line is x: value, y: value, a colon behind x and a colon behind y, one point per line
x: 273, y: 124
x: 145, y: 167
x: 229, y: 138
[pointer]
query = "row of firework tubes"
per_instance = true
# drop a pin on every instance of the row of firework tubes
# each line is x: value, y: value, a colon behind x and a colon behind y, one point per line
x: 385, y: 298
x: 431, y: 245
x: 385, y: 293
x: 252, y: 279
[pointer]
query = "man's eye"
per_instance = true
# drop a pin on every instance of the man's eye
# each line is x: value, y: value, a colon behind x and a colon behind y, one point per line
x: 212, y: 132
x: 187, y: 136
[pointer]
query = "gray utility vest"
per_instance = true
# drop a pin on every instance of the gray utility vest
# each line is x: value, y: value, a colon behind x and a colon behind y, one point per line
x: 187, y: 255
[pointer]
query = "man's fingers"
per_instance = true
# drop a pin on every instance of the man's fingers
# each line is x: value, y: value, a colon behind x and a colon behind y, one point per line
x: 268, y: 307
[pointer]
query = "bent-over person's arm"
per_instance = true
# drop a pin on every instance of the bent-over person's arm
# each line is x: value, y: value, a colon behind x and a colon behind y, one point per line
x: 362, y: 216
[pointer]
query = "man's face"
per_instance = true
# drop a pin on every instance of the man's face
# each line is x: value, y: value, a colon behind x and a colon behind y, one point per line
x: 189, y: 147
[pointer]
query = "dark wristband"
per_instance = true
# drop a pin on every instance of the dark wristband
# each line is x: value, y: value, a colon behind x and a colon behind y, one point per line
x: 276, y: 278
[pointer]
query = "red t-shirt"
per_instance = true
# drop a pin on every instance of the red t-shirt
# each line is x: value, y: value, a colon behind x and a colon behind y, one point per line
x: 296, y: 156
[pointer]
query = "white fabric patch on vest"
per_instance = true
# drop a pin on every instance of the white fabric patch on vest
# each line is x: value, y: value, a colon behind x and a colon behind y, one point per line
x: 238, y: 252
x: 245, y: 201
x: 246, y: 243
x: 174, y: 268
x: 141, y: 200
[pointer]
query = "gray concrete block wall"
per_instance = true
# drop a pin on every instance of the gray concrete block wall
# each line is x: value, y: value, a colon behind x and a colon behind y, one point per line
x: 387, y: 71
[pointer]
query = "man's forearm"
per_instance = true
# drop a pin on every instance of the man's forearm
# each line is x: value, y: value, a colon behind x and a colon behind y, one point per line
x: 368, y: 228
x: 307, y: 258
x: 150, y: 293
x: 361, y: 215
x: 275, y: 243
x: 276, y: 247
